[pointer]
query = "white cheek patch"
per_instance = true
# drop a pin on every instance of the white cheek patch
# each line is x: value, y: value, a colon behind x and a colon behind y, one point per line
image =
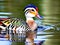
x: 30, y: 15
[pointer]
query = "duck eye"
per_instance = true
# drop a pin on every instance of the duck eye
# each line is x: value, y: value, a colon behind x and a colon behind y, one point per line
x: 32, y: 10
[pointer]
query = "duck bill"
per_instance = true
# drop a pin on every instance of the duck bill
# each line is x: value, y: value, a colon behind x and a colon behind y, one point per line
x: 38, y: 16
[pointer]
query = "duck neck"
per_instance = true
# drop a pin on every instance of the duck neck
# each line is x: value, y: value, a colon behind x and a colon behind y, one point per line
x: 31, y: 23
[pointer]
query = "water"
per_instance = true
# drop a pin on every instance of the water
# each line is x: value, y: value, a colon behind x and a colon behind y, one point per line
x: 4, y: 41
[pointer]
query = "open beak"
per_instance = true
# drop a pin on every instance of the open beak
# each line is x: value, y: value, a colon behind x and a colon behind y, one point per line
x: 38, y: 16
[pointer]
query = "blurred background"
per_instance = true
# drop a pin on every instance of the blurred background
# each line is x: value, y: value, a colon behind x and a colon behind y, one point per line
x: 49, y: 9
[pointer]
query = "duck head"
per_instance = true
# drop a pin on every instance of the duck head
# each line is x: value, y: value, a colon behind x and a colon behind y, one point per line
x: 31, y: 11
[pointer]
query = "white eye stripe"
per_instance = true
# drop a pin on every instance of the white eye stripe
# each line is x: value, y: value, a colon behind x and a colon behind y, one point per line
x: 26, y: 12
x: 29, y: 8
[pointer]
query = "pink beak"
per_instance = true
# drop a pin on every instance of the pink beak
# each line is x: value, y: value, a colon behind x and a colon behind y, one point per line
x: 38, y: 16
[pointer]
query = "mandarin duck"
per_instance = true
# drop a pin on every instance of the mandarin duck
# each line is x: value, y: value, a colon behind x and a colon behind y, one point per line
x: 31, y: 11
